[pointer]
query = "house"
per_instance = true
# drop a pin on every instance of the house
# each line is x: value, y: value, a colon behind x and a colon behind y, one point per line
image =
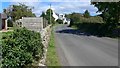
x: 55, y: 15
x: 3, y: 21
x: 61, y: 16
x: 65, y: 20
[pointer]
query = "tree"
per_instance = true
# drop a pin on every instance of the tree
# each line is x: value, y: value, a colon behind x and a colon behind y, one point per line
x: 110, y: 11
x: 59, y: 21
x: 49, y: 16
x: 74, y: 18
x: 19, y: 11
x: 43, y: 15
x: 86, y: 14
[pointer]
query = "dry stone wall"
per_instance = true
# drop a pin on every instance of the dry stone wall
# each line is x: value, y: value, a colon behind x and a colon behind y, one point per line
x: 33, y: 23
x: 45, y: 35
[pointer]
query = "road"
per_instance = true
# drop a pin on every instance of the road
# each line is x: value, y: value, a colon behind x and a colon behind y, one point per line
x: 75, y: 48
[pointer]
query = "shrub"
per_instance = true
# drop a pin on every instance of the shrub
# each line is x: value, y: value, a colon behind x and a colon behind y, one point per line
x: 59, y: 21
x: 22, y: 47
x: 10, y: 23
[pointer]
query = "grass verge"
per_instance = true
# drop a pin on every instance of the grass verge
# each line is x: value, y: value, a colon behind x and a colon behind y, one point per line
x: 52, y: 58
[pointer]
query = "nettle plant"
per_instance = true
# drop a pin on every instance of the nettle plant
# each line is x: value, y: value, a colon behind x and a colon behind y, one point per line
x: 21, y: 48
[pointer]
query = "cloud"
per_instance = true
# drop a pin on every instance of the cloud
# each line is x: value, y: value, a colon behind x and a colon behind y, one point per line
x: 80, y: 7
x: 68, y: 0
x: 59, y: 6
x: 44, y: 0
x: 20, y: 0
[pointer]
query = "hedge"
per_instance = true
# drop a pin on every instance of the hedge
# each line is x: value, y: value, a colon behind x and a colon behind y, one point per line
x: 98, y: 29
x: 21, y: 48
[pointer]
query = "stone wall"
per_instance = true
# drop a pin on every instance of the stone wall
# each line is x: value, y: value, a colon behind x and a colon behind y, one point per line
x: 45, y: 35
x: 32, y: 23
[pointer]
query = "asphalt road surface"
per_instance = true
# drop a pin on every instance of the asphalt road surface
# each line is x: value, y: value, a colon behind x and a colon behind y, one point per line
x: 75, y: 48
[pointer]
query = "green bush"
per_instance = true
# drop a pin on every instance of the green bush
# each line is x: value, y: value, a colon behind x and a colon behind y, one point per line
x: 59, y: 21
x: 98, y: 29
x: 21, y: 48
x: 10, y: 23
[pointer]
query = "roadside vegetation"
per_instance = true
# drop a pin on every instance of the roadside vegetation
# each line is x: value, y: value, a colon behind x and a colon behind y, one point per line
x: 0, y: 49
x: 105, y: 24
x: 21, y: 48
x: 52, y: 57
x: 48, y: 16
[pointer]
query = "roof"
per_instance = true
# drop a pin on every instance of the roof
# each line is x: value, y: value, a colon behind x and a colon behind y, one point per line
x: 3, y: 16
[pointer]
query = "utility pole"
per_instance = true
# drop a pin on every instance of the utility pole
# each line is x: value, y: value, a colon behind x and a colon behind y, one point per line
x: 50, y: 13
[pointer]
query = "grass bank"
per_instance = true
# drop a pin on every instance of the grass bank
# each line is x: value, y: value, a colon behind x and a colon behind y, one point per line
x: 52, y: 57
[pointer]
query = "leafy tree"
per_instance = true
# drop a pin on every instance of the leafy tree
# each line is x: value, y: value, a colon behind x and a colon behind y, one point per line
x: 110, y: 11
x: 49, y: 16
x: 74, y: 18
x: 86, y: 14
x: 19, y: 11
x: 43, y: 15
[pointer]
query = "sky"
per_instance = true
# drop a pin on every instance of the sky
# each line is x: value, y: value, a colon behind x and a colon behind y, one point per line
x: 59, y: 6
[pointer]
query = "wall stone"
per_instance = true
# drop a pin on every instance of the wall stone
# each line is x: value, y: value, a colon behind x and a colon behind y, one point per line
x: 33, y: 23
x: 45, y: 35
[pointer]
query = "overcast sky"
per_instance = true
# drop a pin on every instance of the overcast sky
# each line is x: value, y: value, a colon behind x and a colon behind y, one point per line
x: 59, y: 6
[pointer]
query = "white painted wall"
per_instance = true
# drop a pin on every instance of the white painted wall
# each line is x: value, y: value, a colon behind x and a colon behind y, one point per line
x: 55, y: 15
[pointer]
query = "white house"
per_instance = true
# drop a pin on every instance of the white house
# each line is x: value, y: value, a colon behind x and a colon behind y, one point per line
x: 55, y: 15
x: 65, y: 20
x: 62, y: 17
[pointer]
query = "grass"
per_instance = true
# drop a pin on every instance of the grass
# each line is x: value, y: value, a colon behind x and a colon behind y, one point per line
x: 75, y: 27
x: 118, y: 27
x: 7, y: 33
x: 52, y: 58
x: 11, y: 28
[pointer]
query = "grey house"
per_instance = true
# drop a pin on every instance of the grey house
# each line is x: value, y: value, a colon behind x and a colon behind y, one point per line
x: 3, y: 21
